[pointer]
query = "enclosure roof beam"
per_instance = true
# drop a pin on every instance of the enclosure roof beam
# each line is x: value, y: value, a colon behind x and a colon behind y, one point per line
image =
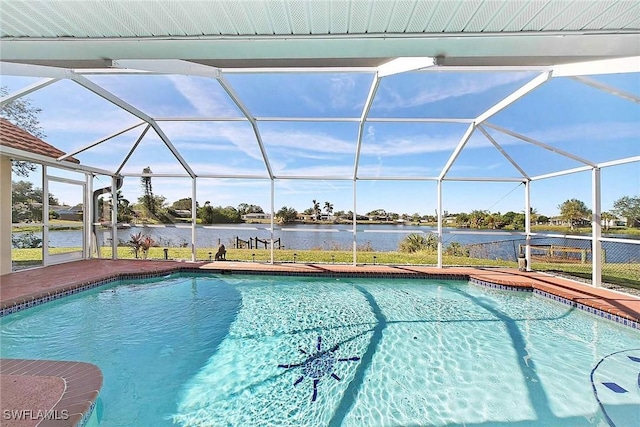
x: 50, y: 161
x: 169, y: 66
x: 513, y: 97
x: 540, y: 144
x: 404, y: 64
x: 223, y: 176
x: 200, y: 119
x: 26, y: 90
x: 157, y: 175
x: 604, y: 66
x: 133, y: 148
x: 609, y: 89
x: 458, y: 149
x: 483, y: 179
x: 29, y: 70
x: 103, y: 93
x: 561, y: 173
x: 236, y: 100
x: 396, y: 178
x: 619, y: 162
x: 418, y: 120
x: 100, y: 141
x: 363, y: 118
x: 504, y: 153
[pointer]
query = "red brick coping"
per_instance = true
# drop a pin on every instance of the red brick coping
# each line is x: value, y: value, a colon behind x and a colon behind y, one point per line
x: 28, y: 288
x: 47, y: 393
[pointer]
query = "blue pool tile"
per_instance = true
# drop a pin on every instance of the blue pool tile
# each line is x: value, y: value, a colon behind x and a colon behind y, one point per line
x: 615, y: 387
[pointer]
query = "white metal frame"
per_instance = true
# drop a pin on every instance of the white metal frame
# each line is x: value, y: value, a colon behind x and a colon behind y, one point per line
x: 576, y: 71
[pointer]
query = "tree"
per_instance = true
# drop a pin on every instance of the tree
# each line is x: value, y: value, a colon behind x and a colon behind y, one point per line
x: 328, y: 208
x: 27, y: 202
x: 183, y: 204
x: 218, y: 215
x: 316, y: 209
x: 24, y: 115
x: 629, y: 208
x: 477, y: 218
x: 147, y: 198
x: 245, y: 208
x: 574, y: 211
x: 286, y: 215
x: 607, y: 217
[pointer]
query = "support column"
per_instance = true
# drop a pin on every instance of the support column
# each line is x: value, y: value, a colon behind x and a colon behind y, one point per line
x: 88, y: 216
x: 45, y: 216
x: 5, y: 215
x: 194, y: 216
x: 273, y: 194
x: 114, y: 217
x: 355, y: 226
x: 596, y: 229
x: 440, y: 249
x: 527, y: 223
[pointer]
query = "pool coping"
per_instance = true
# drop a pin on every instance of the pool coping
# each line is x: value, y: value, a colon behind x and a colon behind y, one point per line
x: 74, y: 406
x: 61, y: 280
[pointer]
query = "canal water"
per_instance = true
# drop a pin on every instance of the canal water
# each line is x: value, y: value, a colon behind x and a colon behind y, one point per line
x: 494, y: 244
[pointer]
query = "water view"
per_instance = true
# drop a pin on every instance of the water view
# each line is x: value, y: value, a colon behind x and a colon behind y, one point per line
x: 491, y: 243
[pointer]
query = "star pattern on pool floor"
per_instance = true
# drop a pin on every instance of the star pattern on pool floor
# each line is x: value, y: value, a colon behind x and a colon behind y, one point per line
x: 318, y: 365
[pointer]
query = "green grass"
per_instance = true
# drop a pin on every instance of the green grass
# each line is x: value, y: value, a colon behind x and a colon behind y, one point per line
x: 621, y: 274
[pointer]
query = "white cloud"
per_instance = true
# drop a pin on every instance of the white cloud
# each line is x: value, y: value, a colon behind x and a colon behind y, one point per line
x: 203, y: 97
x: 585, y: 132
x: 390, y: 99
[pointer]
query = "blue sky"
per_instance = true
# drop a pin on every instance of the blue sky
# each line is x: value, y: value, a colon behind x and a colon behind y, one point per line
x: 563, y: 113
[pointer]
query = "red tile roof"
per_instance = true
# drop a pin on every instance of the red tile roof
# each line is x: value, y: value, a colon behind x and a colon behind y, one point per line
x: 14, y: 137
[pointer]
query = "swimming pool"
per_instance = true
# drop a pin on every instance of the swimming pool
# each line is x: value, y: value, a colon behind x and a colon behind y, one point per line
x: 273, y: 350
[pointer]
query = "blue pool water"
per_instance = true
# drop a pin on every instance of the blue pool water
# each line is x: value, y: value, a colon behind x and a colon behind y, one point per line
x: 259, y: 350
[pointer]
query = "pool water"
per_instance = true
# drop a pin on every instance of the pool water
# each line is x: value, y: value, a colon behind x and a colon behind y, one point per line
x: 261, y: 350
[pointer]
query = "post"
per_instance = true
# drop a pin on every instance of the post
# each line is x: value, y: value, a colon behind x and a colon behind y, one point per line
x: 45, y: 217
x: 355, y: 225
x: 273, y: 192
x: 596, y: 229
x: 114, y: 218
x: 194, y: 216
x: 527, y: 223
x: 440, y: 219
x: 88, y: 217
x: 6, y: 229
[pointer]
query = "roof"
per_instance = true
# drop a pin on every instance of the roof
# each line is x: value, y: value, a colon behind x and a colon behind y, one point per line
x: 311, y: 33
x: 14, y: 137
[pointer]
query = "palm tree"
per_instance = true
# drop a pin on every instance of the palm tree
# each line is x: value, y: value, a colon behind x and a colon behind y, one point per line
x: 477, y: 218
x: 607, y: 217
x: 328, y: 207
x: 316, y: 209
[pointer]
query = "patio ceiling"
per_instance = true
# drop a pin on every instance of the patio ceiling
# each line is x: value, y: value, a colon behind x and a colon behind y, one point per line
x: 302, y: 33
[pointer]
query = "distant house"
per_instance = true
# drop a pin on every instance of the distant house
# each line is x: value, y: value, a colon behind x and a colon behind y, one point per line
x: 254, y: 216
x: 451, y: 219
x: 182, y: 213
x: 73, y: 213
x: 306, y: 217
x: 558, y: 220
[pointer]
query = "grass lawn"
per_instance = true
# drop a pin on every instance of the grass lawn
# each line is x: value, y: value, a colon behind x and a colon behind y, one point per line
x: 621, y: 274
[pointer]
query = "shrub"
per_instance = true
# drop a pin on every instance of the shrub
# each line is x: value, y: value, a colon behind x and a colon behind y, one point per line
x: 415, y: 242
x: 456, y: 249
x: 26, y: 241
